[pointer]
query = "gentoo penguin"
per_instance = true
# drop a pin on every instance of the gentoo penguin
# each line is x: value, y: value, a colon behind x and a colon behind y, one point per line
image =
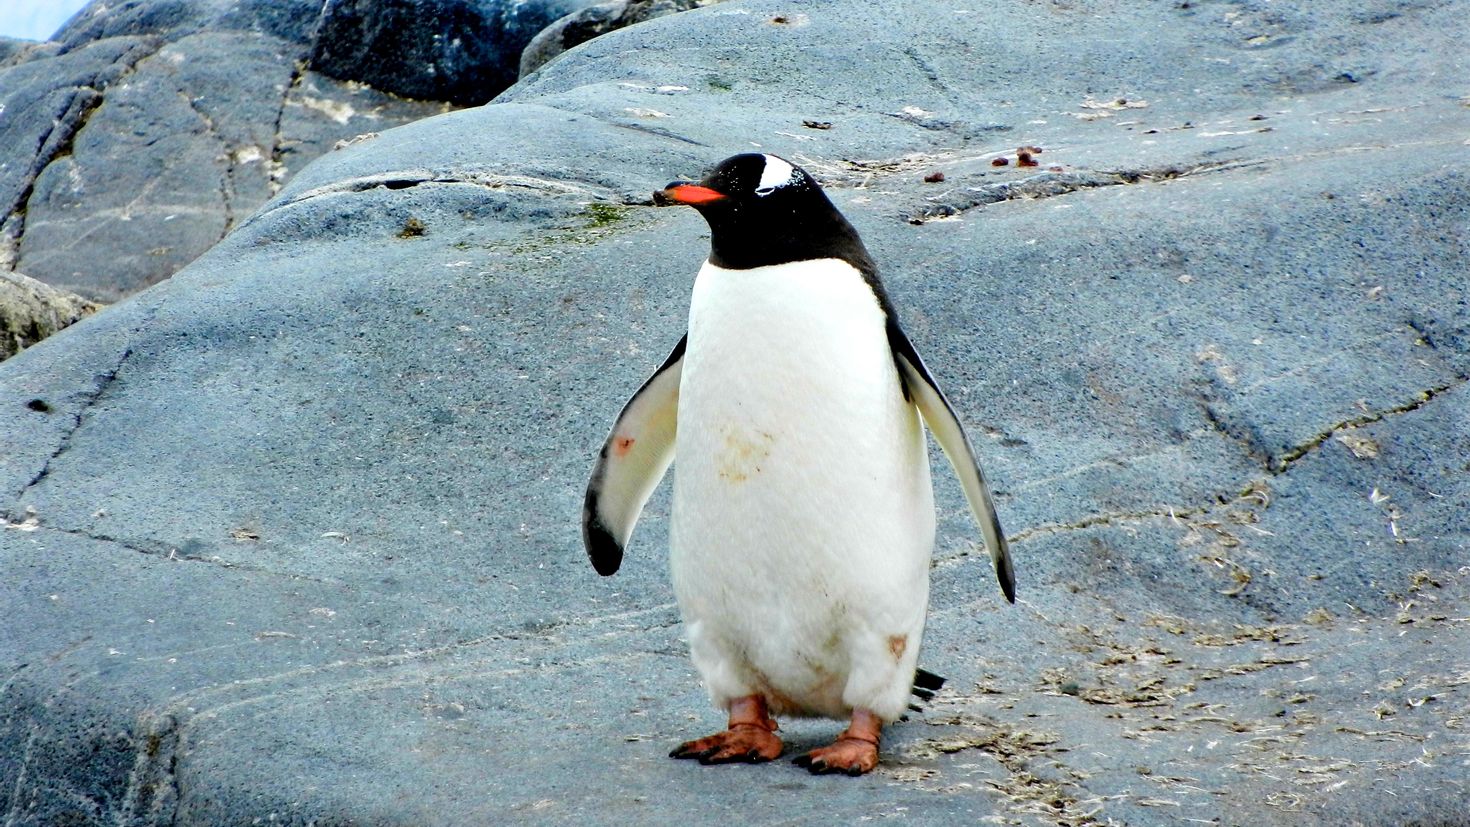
x: 803, y: 516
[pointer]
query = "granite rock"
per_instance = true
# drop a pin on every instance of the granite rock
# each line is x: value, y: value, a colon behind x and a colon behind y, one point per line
x: 15, y: 50
x: 31, y: 310
x: 296, y: 540
x: 163, y: 165
x: 294, y: 21
x: 147, y: 129
x: 594, y: 21
x: 462, y: 51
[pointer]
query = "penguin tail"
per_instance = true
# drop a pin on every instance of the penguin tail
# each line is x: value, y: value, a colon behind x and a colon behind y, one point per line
x: 924, y: 679
x: 926, y: 683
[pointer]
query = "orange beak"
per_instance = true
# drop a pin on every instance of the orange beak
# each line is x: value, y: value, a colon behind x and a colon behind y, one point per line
x: 691, y: 194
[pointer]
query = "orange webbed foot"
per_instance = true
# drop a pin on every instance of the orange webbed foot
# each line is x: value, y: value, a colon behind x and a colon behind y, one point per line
x: 853, y: 753
x: 845, y: 755
x: 743, y: 743
x: 750, y: 738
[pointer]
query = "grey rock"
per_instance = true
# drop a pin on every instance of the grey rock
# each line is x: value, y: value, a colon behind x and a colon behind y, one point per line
x: 296, y: 540
x: 156, y: 125
x: 294, y: 21
x: 10, y: 46
x: 31, y: 310
x: 169, y: 162
x: 583, y: 25
x: 150, y: 132
x: 15, y: 50
x: 46, y: 103
x: 462, y: 51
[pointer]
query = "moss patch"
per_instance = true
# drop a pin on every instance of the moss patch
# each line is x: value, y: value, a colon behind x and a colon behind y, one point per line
x: 412, y: 228
x: 601, y: 214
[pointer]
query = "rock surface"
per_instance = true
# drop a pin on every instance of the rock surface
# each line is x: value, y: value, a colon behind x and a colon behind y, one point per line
x: 594, y: 21
x: 453, y: 50
x: 297, y: 540
x: 31, y: 310
x: 150, y: 128
x: 15, y: 49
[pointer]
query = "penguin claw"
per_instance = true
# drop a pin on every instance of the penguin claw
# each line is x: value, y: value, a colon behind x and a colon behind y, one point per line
x: 848, y: 756
x: 744, y: 745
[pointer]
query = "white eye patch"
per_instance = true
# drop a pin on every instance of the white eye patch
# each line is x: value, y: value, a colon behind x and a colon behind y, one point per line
x: 776, y: 174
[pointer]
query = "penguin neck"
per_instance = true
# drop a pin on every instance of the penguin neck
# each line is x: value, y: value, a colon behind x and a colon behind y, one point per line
x: 745, y: 242
x: 792, y: 236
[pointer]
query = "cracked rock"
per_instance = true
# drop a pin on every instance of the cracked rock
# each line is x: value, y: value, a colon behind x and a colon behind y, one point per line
x: 594, y: 21
x: 454, y: 50
x: 292, y: 537
x: 149, y: 129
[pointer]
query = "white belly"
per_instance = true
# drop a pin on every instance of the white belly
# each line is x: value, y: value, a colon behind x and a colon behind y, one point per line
x: 803, y: 518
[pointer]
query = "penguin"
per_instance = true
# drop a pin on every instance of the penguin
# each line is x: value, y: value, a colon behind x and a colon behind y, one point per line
x: 802, y: 522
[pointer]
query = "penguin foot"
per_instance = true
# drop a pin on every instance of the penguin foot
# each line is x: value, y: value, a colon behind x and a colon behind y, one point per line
x: 742, y: 744
x: 849, y: 756
x: 853, y: 753
x: 750, y: 738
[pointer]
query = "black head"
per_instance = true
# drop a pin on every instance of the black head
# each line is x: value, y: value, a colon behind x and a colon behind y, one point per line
x: 765, y: 210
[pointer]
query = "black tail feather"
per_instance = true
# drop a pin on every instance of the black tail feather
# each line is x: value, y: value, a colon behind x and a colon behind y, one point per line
x: 924, y: 679
x: 926, y: 683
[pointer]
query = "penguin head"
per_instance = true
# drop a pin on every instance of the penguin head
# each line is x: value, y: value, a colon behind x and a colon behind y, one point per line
x: 742, y: 184
x: 765, y: 210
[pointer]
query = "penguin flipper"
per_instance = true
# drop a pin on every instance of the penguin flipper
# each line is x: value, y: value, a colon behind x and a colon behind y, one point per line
x: 920, y: 387
x: 633, y: 460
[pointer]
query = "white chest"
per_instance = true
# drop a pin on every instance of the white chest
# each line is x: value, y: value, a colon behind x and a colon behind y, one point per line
x: 797, y: 457
x: 791, y: 346
x: 803, y: 517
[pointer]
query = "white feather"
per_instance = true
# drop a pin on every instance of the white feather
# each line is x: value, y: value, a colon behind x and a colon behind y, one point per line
x: 774, y: 174
x: 803, y: 517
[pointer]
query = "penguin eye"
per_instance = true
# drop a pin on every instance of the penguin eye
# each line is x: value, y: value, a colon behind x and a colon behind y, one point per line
x: 764, y: 191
